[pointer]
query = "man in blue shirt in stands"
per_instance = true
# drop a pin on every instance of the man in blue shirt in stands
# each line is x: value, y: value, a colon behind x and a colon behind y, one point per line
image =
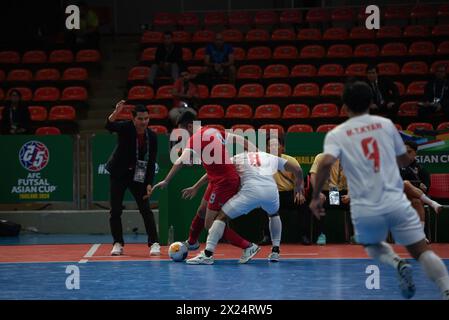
x: 219, y: 59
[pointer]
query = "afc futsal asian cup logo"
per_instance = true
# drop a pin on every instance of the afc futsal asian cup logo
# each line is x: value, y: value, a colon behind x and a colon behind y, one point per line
x: 34, y: 156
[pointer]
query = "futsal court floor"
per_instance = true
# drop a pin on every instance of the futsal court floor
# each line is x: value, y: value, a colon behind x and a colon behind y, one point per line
x: 80, y: 267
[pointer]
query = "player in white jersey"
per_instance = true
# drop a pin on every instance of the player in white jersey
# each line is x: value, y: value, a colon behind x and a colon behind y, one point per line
x: 370, y: 150
x: 258, y: 190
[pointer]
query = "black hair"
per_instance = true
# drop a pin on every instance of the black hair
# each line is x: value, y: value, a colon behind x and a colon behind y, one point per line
x: 185, y: 119
x: 411, y: 144
x: 280, y: 138
x: 371, y: 67
x: 357, y: 96
x: 15, y: 91
x: 139, y: 108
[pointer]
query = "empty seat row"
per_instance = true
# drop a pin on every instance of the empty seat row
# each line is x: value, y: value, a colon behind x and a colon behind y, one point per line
x: 46, y: 74
x: 59, y: 112
x: 73, y: 93
x: 55, y: 56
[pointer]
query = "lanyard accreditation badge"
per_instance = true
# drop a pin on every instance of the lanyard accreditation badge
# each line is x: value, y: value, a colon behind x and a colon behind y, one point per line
x: 141, y: 165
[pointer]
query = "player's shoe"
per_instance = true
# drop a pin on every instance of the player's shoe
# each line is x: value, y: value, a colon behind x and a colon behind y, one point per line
x: 249, y: 253
x: 273, y: 257
x: 201, y: 258
x: 155, y: 249
x: 192, y: 247
x: 321, y: 241
x: 406, y: 280
x: 117, y: 249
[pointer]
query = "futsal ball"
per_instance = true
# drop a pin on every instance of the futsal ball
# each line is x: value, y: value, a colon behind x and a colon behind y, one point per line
x: 178, y: 251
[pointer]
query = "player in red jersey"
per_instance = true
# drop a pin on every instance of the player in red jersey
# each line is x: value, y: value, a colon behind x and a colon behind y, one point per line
x: 208, y: 145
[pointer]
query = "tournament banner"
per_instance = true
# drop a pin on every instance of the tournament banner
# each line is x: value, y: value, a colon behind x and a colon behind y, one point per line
x: 36, y: 169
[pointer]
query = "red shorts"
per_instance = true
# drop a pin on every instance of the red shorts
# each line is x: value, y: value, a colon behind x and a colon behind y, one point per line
x: 217, y: 194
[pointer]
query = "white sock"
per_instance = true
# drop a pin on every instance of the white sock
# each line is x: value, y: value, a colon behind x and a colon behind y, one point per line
x: 435, y: 205
x: 215, y: 233
x: 435, y: 270
x: 384, y: 253
x: 275, y: 226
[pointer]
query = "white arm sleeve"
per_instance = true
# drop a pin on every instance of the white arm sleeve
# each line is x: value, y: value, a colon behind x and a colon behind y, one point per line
x: 399, y: 146
x: 331, y: 145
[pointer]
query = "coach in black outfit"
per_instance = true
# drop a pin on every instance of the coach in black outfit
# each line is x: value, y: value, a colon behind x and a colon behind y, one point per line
x: 132, y: 166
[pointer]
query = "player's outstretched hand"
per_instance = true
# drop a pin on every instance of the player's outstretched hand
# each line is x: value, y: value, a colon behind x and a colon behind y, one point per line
x: 149, y: 192
x: 299, y: 198
x: 189, y: 193
x: 317, y: 208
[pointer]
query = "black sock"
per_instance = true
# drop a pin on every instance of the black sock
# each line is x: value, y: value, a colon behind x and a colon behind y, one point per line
x: 208, y: 253
x: 275, y: 249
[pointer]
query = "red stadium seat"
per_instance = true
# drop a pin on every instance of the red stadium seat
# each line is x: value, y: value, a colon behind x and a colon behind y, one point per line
x: 46, y: 94
x: 258, y: 53
x: 38, y: 113
x: 203, y: 91
x: 48, y: 74
x: 138, y: 73
x: 251, y: 90
x: 158, y: 129
x: 421, y: 48
x: 2, y: 75
x: 272, y: 127
x: 343, y: 112
x: 388, y: 69
x: 423, y: 11
x: 439, y: 186
x: 303, y: 70
x: 443, y: 10
x: 165, y: 92
x: 19, y: 75
x: 214, y: 18
x: 290, y: 17
x: 362, y: 33
x: 157, y: 111
x: 45, y: 131
x: 34, y: 56
x: 276, y: 71
x: 232, y: 35
x: 140, y: 93
x: 152, y: 37
x: 242, y: 127
x: 318, y: 15
x: 2, y: 96
x: 267, y: 111
x: 181, y: 36
x: 439, y: 63
x: 62, y: 113
x: 163, y: 19
x: 296, y: 111
x: 309, y: 34
x: 324, y: 110
x: 61, y: 56
x: 389, y: 32
x: 416, y: 31
x: 356, y: 70
x: 306, y: 90
x: 188, y: 19
x: 79, y: 74
x: 216, y: 126
x: 149, y: 54
x: 396, y: 13
x: 443, y: 126
x: 331, y: 69
x: 239, y: 111
x: 394, y: 49
x: 250, y: 71
x: 200, y: 53
x: 74, y: 94
x: 401, y: 87
x: 196, y: 69
x: 88, y: 55
x: 266, y: 17
x: 281, y: 90
x: 283, y: 35
x: 239, y: 54
x: 419, y: 125
x: 342, y: 14
x: 336, y: 33
x: 240, y: 18
x: 302, y: 128
x: 332, y: 89
x: 441, y: 30
x: 285, y: 52
x: 325, y: 127
x: 9, y: 57
x: 339, y: 51
x: 443, y: 48
x: 223, y: 91
x: 313, y: 51
x: 187, y: 54
x: 416, y: 88
x: 369, y: 50
x: 408, y: 109
x: 398, y: 126
x: 26, y: 93
x: 211, y: 111
x: 257, y: 35
x: 203, y: 36
x: 414, y: 67
x: 126, y: 113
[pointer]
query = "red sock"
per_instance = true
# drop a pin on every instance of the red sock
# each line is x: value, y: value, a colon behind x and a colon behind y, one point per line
x: 236, y: 240
x: 195, y: 229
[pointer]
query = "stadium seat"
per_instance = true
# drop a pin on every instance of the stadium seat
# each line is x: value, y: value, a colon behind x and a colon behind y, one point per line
x: 398, y: 126
x: 296, y: 111
x: 152, y: 37
x: 325, y: 127
x: 126, y: 113
x: 267, y: 111
x: 188, y: 19
x: 26, y: 93
x: 162, y: 19
x: 324, y: 110
x: 251, y: 90
x: 419, y: 125
x: 302, y: 128
x: 343, y: 112
x: 62, y: 113
x: 242, y: 127
x: 79, y: 74
x: 389, y: 32
x: 272, y: 127
x: 356, y: 70
x: 421, y: 48
x: 439, y: 186
x: 48, y: 74
x: 157, y: 111
x: 158, y: 129
x: 203, y: 36
x: 88, y: 55
x: 196, y: 69
x: 303, y: 70
x: 266, y: 17
x: 181, y: 36
x: 187, y: 54
x: 38, y: 113
x: 200, y: 53
x: 203, y: 91
x: 318, y: 15
x: 332, y: 89
x: 290, y: 17
x: 258, y: 53
x: 232, y: 35
x: 443, y: 126
x: 45, y: 131
x: 211, y: 111
x: 339, y: 51
x: 46, y: 94
x: 401, y: 87
x: 61, y: 56
x: 394, y: 49
x: 336, y: 33
x: 408, y: 109
x: 313, y: 51
x: 362, y: 33
x: 239, y: 111
x: 309, y: 34
x: 74, y: 94
x: 19, y: 75
x: 214, y: 18
x: 239, y: 18
x: 250, y: 71
x: 414, y: 67
x: 257, y: 35
x: 443, y: 48
x: 441, y: 30
x: 223, y: 91
x: 388, y: 69
x: 2, y: 95
x: 423, y: 11
x: 9, y: 57
x: 369, y: 50
x: 331, y: 69
x: 140, y: 93
x: 281, y: 90
x: 276, y: 71
x: 416, y: 88
x: 396, y: 13
x: 216, y: 126
x: 416, y: 31
x: 2, y: 75
x: 138, y: 73
x: 306, y: 90
x: 149, y: 54
x: 285, y: 52
x: 342, y: 14
x: 165, y: 92
x: 283, y: 35
x: 438, y: 63
x: 239, y: 54
x: 443, y: 11
x: 34, y: 56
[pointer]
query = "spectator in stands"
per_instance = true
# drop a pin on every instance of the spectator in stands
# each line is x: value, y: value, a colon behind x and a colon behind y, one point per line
x: 168, y: 59
x: 15, y: 117
x: 385, y: 94
x: 185, y: 96
x: 88, y: 35
x: 334, y: 193
x: 219, y: 59
x: 132, y: 166
x: 436, y: 94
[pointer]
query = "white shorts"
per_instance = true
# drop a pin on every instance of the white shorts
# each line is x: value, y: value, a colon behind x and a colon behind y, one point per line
x: 248, y: 199
x: 404, y: 225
